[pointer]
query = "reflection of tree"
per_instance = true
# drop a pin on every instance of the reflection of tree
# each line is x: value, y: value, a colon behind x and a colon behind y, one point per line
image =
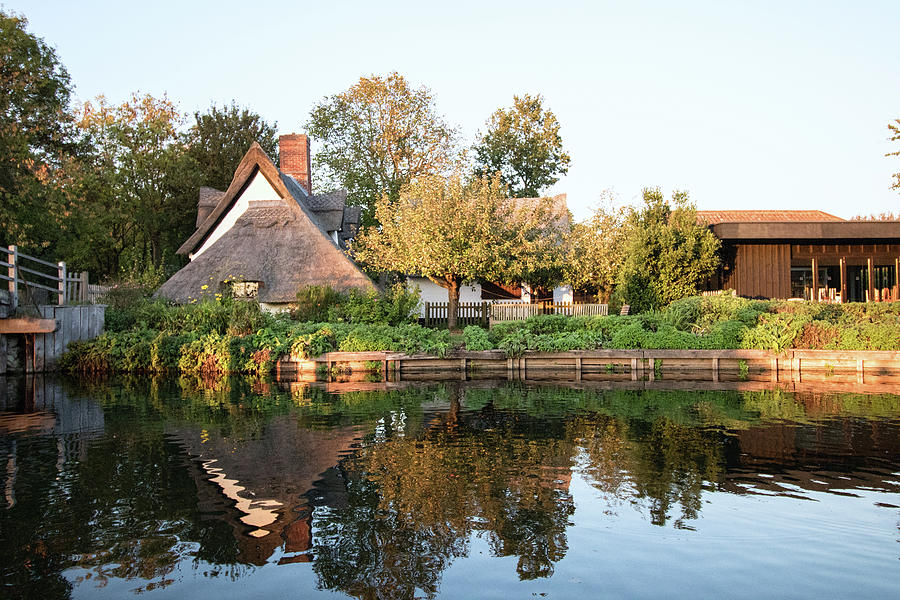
x: 370, y: 550
x: 416, y: 498
x: 670, y: 465
x: 497, y: 464
x: 604, y: 460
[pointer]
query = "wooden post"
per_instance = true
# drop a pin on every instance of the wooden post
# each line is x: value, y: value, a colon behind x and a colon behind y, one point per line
x: 14, y: 280
x: 843, y: 268
x: 775, y: 369
x: 29, y: 353
x: 61, y: 273
x: 715, y: 369
x: 871, y: 276
x: 860, y: 371
x: 428, y: 314
x: 485, y: 313
x: 577, y: 368
x: 815, y: 281
x: 83, y: 296
x: 897, y: 279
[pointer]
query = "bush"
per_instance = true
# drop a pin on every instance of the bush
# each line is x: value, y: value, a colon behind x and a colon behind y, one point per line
x: 225, y: 335
x: 775, y: 332
x: 476, y: 338
x: 323, y: 304
x: 314, y: 302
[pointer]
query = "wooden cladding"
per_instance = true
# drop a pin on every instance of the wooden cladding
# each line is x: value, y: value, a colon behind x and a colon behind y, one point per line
x: 856, y: 254
x: 757, y: 270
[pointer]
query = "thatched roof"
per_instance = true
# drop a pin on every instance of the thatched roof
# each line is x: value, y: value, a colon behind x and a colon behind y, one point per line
x: 275, y: 245
x: 279, y: 243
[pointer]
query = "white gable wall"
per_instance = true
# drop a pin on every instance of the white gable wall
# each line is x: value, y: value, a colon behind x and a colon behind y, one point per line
x: 259, y: 189
x: 432, y: 292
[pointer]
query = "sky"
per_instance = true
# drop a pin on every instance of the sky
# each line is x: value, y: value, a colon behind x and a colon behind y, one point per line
x: 746, y: 105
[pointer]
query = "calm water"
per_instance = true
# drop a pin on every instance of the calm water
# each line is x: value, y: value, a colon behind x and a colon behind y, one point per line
x: 234, y: 489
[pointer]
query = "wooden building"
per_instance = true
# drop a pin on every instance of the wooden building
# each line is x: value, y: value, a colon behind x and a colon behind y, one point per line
x: 806, y: 254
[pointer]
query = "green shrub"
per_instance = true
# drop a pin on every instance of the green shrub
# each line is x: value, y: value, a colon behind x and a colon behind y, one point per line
x: 775, y: 332
x: 685, y: 313
x: 515, y: 342
x: 323, y: 304
x: 393, y: 307
x: 208, y: 355
x: 476, y: 338
x: 627, y: 335
x: 314, y: 303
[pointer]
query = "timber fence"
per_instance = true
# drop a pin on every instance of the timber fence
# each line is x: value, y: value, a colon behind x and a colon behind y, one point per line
x: 489, y: 313
x: 23, y: 272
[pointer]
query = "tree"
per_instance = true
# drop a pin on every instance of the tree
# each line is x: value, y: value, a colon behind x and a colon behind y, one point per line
x: 140, y: 191
x: 36, y: 134
x: 894, y: 128
x: 668, y: 253
x: 523, y: 144
x: 595, y: 249
x: 219, y: 138
x: 378, y: 136
x: 451, y: 232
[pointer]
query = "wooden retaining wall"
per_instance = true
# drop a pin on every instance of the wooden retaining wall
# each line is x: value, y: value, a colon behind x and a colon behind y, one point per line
x: 41, y: 351
x: 861, y: 367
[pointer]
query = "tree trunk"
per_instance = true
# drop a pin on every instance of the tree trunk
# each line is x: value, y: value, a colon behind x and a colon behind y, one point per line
x: 453, y: 304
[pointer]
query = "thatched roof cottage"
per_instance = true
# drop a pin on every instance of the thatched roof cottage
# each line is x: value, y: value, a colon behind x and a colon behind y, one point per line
x: 267, y: 235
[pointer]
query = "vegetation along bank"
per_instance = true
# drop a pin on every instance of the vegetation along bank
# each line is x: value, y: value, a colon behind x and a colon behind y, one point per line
x: 228, y: 336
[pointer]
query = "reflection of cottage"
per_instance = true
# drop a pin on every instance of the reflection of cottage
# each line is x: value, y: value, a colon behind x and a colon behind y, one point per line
x: 259, y: 484
x: 476, y: 291
x: 267, y: 235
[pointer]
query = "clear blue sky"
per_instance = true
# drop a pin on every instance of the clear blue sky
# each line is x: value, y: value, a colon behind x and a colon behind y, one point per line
x: 764, y: 104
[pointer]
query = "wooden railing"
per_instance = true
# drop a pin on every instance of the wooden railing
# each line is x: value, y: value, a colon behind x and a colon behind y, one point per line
x: 468, y: 313
x: 502, y: 311
x: 487, y: 313
x: 24, y: 271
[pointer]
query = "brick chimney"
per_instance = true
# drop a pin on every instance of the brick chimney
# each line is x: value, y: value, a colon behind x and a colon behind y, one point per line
x: 293, y: 160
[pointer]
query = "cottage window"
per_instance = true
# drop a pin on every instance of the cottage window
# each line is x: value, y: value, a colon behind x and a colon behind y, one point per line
x: 245, y: 290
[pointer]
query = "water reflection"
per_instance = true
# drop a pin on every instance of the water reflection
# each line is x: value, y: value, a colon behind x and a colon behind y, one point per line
x: 147, y: 484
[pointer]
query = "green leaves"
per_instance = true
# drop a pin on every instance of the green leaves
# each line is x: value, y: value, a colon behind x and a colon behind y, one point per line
x: 667, y: 255
x: 522, y: 143
x: 377, y: 136
x: 219, y: 138
x: 36, y: 135
x: 894, y: 128
x: 453, y: 231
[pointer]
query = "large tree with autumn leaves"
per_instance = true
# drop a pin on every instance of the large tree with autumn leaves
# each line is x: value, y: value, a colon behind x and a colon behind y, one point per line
x: 451, y: 231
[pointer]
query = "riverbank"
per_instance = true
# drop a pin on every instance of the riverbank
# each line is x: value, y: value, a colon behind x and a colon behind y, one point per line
x: 228, y: 336
x: 845, y: 367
